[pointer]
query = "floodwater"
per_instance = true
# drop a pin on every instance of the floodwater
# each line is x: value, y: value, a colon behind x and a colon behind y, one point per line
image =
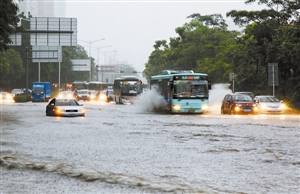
x: 134, y: 149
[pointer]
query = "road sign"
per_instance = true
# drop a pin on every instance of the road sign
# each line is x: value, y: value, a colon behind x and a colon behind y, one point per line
x: 232, y: 76
x: 81, y: 65
x: 273, y: 74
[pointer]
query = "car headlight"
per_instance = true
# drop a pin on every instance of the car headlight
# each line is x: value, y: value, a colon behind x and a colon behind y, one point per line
x: 103, y: 97
x: 82, y: 110
x: 59, y: 110
x: 255, y: 108
x: 237, y: 108
x: 282, y: 106
x: 176, y: 107
x: 204, y: 107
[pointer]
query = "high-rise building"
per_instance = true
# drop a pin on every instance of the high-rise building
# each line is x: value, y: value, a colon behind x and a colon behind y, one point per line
x: 42, y: 8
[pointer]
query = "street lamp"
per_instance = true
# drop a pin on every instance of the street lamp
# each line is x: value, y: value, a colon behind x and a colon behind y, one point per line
x: 90, y: 42
x: 26, y: 72
x: 97, y: 70
x: 102, y: 69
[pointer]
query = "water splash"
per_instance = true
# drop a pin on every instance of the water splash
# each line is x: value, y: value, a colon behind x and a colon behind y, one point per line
x: 151, y: 101
x: 216, y: 96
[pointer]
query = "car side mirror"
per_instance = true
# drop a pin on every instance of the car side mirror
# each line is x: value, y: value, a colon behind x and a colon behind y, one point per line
x: 80, y: 104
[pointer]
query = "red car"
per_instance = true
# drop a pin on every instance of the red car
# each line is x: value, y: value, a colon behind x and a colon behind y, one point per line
x: 238, y: 104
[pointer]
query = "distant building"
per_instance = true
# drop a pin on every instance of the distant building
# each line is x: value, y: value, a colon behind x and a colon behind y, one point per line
x: 42, y: 8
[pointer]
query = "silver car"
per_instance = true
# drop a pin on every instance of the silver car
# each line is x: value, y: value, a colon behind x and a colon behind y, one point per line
x: 269, y: 104
x: 64, y: 107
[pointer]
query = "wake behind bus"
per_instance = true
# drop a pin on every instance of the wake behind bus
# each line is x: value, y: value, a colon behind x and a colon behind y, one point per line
x: 183, y: 90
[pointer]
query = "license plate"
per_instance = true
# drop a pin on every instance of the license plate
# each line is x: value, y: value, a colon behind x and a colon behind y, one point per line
x: 247, y: 110
x: 71, y: 115
x: 191, y: 111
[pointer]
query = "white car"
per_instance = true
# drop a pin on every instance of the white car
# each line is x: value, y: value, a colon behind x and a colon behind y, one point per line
x: 65, y: 107
x: 16, y: 92
x: 269, y: 104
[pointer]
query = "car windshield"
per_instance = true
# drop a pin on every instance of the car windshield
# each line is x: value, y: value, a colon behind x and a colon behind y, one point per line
x: 82, y: 92
x: 66, y: 102
x: 243, y: 98
x: 269, y: 99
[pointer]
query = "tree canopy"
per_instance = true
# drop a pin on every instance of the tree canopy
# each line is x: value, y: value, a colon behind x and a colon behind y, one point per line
x: 205, y: 45
x: 8, y: 22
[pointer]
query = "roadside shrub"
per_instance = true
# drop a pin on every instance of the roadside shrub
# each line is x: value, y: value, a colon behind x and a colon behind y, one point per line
x: 22, y: 98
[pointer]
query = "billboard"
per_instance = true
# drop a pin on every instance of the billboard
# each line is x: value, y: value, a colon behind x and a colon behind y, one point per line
x: 46, y: 54
x: 109, y: 69
x: 53, y: 31
x: 81, y: 65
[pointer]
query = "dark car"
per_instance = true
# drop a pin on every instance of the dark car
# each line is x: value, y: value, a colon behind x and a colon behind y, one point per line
x: 238, y: 104
x: 81, y: 94
x: 64, y: 107
x: 110, y: 96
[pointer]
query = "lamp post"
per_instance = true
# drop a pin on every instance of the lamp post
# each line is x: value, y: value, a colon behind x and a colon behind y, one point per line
x: 26, y: 72
x: 90, y: 43
x: 98, y: 48
x: 97, y: 70
x: 105, y: 61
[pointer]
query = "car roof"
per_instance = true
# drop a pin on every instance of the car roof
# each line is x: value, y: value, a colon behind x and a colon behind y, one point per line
x: 265, y: 96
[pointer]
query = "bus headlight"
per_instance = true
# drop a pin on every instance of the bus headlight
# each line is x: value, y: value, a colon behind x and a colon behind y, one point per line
x: 176, y: 107
x: 204, y: 107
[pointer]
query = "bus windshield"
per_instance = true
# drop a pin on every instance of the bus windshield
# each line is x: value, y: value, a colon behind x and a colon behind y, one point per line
x: 190, y: 88
x: 131, y: 87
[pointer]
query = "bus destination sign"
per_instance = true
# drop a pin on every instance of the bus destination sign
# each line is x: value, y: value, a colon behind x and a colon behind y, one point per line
x: 187, y: 77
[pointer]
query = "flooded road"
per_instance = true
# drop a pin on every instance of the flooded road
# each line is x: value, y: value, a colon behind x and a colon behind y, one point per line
x: 131, y: 149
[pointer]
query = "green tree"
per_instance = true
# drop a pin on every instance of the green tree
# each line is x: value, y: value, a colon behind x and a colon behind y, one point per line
x: 272, y: 35
x: 11, y: 68
x: 8, y: 22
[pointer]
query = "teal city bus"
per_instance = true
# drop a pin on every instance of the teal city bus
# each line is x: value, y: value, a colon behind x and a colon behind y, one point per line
x: 183, y: 90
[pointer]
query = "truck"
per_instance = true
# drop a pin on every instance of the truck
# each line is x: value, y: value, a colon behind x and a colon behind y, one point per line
x: 40, y: 91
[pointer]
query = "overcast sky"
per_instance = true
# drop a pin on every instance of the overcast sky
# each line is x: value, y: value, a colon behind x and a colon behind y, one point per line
x: 132, y: 27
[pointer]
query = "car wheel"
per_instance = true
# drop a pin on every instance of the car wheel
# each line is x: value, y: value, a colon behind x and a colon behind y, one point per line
x: 47, y: 113
x: 231, y: 111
